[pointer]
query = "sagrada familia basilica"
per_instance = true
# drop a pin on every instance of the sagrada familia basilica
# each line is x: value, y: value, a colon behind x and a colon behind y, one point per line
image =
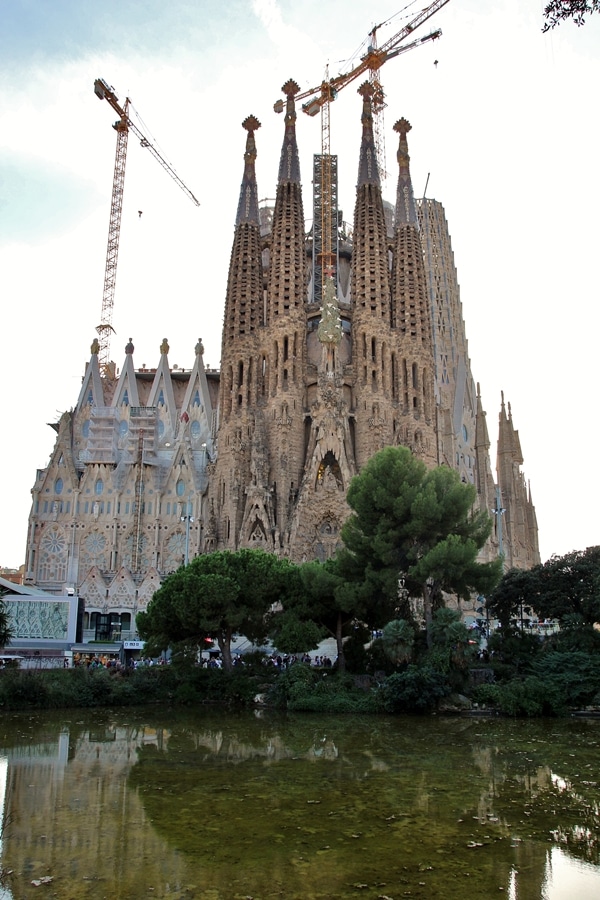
x: 336, y: 343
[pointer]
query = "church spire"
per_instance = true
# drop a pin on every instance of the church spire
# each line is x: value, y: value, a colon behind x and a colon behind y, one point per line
x: 289, y: 165
x: 410, y: 304
x: 248, y: 203
x: 370, y: 273
x: 411, y: 310
x: 286, y: 292
x: 243, y: 302
x: 368, y: 172
x: 406, y: 211
x: 485, y: 480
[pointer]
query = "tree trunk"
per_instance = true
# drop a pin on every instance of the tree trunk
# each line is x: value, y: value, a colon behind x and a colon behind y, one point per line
x: 224, y: 642
x: 341, y: 660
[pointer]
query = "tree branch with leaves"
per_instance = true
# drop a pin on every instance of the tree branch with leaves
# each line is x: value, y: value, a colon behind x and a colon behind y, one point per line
x: 560, y: 10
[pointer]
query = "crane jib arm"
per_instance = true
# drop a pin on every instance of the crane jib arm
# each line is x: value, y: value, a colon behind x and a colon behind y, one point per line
x: 327, y: 91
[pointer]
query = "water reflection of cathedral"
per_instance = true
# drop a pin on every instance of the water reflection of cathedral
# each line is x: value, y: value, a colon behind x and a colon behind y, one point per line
x: 69, y: 813
x: 90, y: 804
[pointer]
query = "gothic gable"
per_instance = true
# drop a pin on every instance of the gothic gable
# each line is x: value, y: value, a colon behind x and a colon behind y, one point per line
x: 93, y: 589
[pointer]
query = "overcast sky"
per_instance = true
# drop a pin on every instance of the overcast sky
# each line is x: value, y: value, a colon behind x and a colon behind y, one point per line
x: 505, y: 127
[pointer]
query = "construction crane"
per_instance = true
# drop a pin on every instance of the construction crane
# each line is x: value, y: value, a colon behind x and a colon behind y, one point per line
x: 319, y: 99
x: 123, y: 126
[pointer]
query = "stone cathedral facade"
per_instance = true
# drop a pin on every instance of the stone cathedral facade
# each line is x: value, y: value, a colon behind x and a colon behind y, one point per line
x: 336, y: 343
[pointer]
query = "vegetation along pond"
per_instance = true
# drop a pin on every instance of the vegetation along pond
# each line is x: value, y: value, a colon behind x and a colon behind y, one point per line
x: 186, y: 804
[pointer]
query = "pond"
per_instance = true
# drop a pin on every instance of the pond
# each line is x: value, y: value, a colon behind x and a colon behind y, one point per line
x: 201, y: 804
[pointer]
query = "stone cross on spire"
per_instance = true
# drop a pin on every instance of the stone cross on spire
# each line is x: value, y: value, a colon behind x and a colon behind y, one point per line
x: 368, y: 173
x: 406, y: 212
x: 248, y: 202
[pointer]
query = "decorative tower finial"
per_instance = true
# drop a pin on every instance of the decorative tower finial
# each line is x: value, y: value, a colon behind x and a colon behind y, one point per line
x: 406, y: 211
x: 290, y: 89
x: 95, y: 348
x: 403, y: 126
x: 368, y: 173
x: 164, y: 347
x: 248, y: 203
x: 199, y: 348
x: 251, y: 124
x: 129, y: 348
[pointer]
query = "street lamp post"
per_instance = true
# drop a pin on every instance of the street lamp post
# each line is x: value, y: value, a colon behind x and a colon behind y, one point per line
x: 499, y: 511
x: 188, y: 519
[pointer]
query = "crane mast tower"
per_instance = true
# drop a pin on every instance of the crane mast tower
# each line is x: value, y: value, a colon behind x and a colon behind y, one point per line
x: 122, y: 126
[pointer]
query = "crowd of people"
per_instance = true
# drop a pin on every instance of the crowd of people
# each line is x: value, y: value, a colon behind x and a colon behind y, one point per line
x: 280, y: 661
x: 211, y: 661
x: 104, y: 661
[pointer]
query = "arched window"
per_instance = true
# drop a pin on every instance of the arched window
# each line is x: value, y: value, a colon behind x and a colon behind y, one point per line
x: 180, y: 488
x: 123, y: 428
x: 195, y: 429
x: 99, y: 486
x: 85, y: 428
x: 58, y: 486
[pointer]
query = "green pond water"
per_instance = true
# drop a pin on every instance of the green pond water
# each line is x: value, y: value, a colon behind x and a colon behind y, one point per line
x: 165, y: 803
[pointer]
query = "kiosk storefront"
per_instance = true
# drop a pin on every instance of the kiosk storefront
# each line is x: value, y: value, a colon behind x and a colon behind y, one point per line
x: 105, y: 654
x: 132, y: 650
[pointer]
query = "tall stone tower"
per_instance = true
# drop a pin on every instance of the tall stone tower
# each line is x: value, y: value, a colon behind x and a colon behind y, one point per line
x: 519, y: 523
x: 411, y: 316
x: 313, y: 385
x: 462, y: 433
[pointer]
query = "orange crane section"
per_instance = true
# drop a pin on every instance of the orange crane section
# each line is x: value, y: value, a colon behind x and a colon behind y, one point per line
x: 123, y: 126
x: 320, y: 97
x: 372, y: 61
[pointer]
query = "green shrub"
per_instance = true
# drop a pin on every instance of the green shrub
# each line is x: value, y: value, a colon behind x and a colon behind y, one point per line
x: 576, y: 674
x: 417, y: 689
x: 23, y: 690
x: 302, y: 689
x: 575, y: 637
x: 187, y: 695
x: 378, y: 660
x: 530, y: 696
x: 514, y: 649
